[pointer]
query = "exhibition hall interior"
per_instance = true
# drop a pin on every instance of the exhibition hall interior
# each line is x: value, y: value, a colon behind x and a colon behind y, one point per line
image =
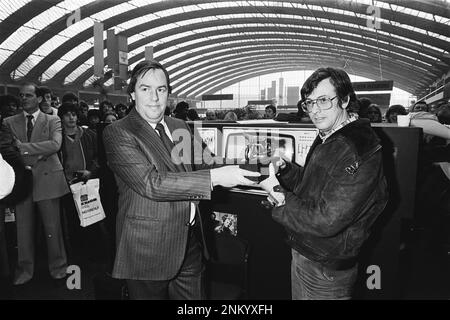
x: 225, y: 150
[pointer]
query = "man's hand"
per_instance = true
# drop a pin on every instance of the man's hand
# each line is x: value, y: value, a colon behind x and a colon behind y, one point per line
x: 271, y: 181
x: 81, y: 175
x: 230, y: 176
x: 272, y: 186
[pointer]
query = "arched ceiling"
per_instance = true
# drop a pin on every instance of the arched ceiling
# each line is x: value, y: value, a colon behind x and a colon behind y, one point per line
x: 209, y: 45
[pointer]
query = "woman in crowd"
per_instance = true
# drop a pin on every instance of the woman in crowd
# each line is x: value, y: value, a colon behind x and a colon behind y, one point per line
x: 79, y: 159
x: 393, y: 111
x: 374, y: 114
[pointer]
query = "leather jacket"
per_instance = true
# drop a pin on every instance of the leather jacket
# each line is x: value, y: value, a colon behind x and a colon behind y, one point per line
x: 332, y: 202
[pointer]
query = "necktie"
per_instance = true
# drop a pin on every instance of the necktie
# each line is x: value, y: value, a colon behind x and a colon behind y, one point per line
x: 168, y: 144
x: 29, y: 126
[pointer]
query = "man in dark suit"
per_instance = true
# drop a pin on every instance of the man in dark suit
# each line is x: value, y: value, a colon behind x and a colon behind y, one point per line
x: 158, y: 252
x: 39, y: 139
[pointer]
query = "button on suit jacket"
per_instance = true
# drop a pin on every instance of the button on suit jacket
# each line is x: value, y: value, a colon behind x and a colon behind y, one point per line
x: 154, y: 199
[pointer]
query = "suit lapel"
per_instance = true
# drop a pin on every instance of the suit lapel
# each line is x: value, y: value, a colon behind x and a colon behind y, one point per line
x: 39, y: 128
x: 19, y: 127
x: 172, y: 125
x: 151, y: 139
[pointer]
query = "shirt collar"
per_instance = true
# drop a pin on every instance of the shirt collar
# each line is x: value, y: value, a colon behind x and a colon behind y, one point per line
x: 35, y: 115
x: 154, y: 124
x: 352, y: 117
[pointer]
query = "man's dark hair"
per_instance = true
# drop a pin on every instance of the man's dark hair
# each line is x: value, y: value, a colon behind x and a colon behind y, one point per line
x: 104, y: 103
x: 427, y: 108
x: 443, y: 113
x: 192, y: 114
x: 364, y: 104
x: 94, y: 113
x: 42, y: 91
x: 181, y: 106
x: 271, y: 107
x: 67, y: 107
x: 181, y: 109
x: 141, y: 69
x: 338, y: 78
x: 120, y: 106
x: 68, y: 97
x: 83, y: 104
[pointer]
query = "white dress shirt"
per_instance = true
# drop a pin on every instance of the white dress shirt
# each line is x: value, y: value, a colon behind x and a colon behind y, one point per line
x: 166, y: 129
x: 35, y: 115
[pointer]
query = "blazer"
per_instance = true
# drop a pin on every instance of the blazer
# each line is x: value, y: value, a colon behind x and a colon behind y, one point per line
x: 41, y: 154
x: 154, y: 199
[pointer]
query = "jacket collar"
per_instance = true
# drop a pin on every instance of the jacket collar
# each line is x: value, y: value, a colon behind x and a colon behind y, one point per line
x: 142, y: 129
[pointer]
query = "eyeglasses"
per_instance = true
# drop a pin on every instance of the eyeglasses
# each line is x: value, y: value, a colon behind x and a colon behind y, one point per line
x: 323, y: 103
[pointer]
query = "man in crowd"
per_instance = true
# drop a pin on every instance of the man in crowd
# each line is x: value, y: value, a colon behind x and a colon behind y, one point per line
x: 39, y: 139
x: 46, y: 101
x: 329, y: 205
x: 270, y: 112
x: 159, y: 228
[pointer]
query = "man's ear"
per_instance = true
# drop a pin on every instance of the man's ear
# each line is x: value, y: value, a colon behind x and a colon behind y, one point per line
x: 39, y: 99
x: 132, y: 96
x: 345, y: 102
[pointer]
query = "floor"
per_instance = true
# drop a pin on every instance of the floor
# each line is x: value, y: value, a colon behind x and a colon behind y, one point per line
x: 429, y: 276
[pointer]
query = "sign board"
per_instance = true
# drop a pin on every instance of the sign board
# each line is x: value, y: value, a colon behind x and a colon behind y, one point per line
x: 123, y: 58
x: 258, y: 102
x: 210, y: 97
x: 373, y: 85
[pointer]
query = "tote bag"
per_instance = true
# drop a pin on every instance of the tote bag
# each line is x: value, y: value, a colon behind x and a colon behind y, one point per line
x: 87, y: 201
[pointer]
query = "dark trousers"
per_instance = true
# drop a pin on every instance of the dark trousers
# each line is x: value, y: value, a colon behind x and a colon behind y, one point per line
x: 91, y: 243
x: 187, y: 284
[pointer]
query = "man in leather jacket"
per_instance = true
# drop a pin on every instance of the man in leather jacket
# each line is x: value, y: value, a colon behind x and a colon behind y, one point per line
x: 329, y: 205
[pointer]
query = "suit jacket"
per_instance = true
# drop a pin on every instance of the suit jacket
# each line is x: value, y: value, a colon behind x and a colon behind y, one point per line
x: 41, y: 154
x: 154, y: 199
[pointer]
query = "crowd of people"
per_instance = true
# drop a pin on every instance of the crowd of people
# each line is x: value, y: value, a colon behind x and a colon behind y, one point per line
x: 55, y: 145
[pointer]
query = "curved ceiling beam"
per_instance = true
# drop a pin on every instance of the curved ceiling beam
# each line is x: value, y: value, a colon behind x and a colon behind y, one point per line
x: 251, y: 72
x: 205, y: 82
x: 208, y: 80
x: 56, y: 27
x: 60, y: 51
x: 436, y: 7
x: 214, y: 68
x: 190, y: 65
x: 385, y: 62
x: 242, y: 64
x: 64, y: 72
x: 26, y: 13
x: 48, y: 32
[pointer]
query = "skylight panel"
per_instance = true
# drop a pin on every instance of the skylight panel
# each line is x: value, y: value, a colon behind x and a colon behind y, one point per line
x: 28, y: 64
x: 113, y: 11
x: 79, y: 71
x: 10, y: 7
x: 67, y: 58
x: 141, y: 3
